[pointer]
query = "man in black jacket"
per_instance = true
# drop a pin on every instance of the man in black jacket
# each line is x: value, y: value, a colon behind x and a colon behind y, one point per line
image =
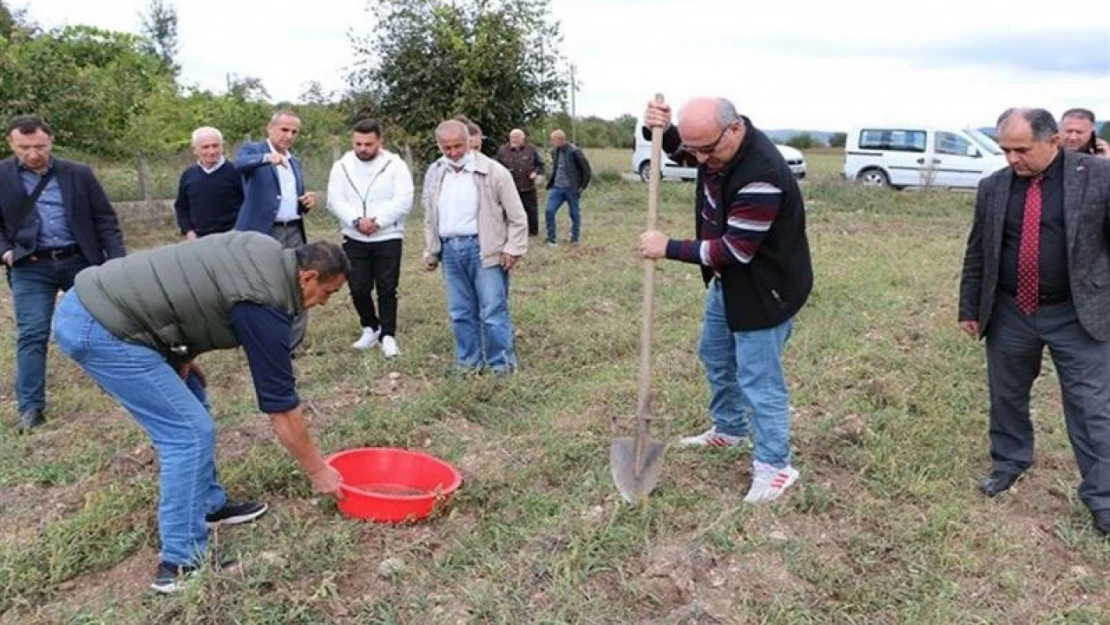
x: 570, y: 175
x: 754, y: 256
x: 55, y: 220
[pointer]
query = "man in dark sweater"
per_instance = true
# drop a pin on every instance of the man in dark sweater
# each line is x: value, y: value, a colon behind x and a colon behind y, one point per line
x: 211, y: 191
x: 753, y: 253
x: 136, y: 325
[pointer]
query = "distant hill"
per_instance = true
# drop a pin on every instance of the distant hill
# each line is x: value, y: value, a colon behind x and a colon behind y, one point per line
x: 784, y: 135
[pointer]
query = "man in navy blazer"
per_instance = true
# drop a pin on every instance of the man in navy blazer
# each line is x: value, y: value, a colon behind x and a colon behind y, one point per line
x: 43, y: 245
x: 275, y: 199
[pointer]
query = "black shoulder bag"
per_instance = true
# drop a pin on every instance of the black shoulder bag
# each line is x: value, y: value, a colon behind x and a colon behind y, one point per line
x: 24, y: 211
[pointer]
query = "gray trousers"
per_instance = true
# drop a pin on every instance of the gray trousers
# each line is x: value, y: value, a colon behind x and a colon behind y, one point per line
x: 1015, y: 342
x: 291, y: 236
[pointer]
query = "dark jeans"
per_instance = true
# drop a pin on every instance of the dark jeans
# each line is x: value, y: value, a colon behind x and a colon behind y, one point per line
x: 35, y: 286
x: 1015, y: 342
x: 375, y: 265
x: 531, y: 208
x: 555, y: 198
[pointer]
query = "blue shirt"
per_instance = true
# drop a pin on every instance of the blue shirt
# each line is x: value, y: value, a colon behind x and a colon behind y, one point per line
x: 54, y: 229
x: 266, y: 334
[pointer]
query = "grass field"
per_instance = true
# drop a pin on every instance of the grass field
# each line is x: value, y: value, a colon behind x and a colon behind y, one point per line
x: 885, y: 525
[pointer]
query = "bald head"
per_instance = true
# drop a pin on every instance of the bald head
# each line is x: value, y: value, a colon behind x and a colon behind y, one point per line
x: 558, y: 138
x: 711, y: 129
x: 713, y: 114
x: 516, y: 137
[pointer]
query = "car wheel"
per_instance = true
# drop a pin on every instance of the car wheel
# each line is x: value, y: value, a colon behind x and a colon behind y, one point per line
x: 645, y: 170
x: 873, y: 178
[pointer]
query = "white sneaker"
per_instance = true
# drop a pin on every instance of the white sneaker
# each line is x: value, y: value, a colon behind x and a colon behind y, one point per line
x: 389, y: 347
x: 368, y: 339
x: 711, y: 438
x: 769, y: 483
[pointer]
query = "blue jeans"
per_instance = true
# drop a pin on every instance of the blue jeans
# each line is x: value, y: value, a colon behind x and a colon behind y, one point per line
x: 173, y: 413
x: 745, y: 375
x: 555, y: 200
x: 478, y: 302
x: 35, y: 285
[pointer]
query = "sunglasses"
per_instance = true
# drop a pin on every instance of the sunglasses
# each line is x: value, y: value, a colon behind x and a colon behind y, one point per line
x: 706, y: 150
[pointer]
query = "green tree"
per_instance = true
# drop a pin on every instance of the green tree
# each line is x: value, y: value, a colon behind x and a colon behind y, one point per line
x: 7, y: 21
x: 89, y: 83
x: 158, y: 24
x: 838, y: 139
x: 802, y: 141
x: 1105, y: 131
x: 496, y: 62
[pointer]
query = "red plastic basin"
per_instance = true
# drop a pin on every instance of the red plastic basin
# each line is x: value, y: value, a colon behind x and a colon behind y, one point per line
x: 392, y: 485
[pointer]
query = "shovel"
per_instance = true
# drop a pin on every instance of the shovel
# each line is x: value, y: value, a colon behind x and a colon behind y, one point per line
x: 636, y: 462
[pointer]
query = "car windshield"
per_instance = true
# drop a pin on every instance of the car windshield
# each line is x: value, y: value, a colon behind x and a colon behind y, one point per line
x: 984, y: 141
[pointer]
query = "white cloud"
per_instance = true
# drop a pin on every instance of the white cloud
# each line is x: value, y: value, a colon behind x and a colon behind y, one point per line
x: 786, y: 64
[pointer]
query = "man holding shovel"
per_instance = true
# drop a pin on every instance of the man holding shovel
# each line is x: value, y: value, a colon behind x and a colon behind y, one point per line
x: 754, y: 256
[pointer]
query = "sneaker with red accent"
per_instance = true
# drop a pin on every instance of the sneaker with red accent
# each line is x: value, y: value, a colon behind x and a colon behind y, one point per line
x: 713, y: 438
x: 769, y: 483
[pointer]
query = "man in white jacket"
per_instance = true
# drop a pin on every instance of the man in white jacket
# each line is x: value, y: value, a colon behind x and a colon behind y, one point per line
x: 370, y: 191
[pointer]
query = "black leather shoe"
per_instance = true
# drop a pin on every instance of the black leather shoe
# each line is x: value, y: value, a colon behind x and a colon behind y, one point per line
x: 998, y: 482
x: 31, y: 419
x: 1102, y: 521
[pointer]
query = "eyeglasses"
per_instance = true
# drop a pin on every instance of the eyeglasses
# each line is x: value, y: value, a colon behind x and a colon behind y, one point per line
x: 706, y: 150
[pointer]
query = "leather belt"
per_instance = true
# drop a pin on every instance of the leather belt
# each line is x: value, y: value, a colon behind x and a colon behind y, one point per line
x: 1044, y: 299
x: 57, y: 253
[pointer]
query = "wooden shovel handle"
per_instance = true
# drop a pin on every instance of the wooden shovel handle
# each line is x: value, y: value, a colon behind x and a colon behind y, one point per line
x: 643, y: 405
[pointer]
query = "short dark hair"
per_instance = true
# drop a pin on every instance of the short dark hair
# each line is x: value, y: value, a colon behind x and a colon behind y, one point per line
x: 324, y: 257
x: 27, y: 124
x: 1086, y: 114
x: 1040, y: 121
x: 368, y: 126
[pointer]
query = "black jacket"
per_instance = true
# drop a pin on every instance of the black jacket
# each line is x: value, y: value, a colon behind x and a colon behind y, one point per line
x: 91, y: 217
x: 775, y: 285
x: 580, y: 174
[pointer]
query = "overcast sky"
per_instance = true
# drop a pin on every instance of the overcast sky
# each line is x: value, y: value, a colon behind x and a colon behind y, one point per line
x: 813, y: 64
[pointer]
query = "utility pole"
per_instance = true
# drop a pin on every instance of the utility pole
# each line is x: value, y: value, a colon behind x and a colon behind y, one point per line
x: 573, y: 89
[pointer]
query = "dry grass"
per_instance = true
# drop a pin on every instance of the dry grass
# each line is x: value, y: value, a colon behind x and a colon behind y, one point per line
x: 884, y: 527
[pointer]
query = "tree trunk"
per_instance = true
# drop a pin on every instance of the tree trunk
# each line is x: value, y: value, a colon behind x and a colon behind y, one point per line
x: 143, y: 171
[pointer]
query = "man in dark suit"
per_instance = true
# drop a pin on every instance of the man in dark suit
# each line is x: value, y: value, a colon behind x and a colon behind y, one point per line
x: 1036, y: 273
x: 275, y: 199
x: 69, y: 226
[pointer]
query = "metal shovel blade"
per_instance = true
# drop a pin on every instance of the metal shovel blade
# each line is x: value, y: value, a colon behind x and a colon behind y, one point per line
x: 635, y: 485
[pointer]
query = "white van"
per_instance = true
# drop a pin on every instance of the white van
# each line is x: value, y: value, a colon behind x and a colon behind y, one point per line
x: 911, y: 156
x: 688, y: 170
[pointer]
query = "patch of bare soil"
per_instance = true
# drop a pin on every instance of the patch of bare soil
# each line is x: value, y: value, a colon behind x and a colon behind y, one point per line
x: 692, y: 585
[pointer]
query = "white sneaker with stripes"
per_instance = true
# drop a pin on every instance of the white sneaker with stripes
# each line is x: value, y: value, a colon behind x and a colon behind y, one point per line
x: 769, y: 483
x: 711, y: 438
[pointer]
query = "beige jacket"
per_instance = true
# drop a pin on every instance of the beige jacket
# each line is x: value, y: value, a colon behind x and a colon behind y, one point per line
x: 502, y: 222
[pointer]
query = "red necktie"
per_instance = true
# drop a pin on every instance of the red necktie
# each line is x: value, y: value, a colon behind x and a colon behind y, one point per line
x: 1029, y: 251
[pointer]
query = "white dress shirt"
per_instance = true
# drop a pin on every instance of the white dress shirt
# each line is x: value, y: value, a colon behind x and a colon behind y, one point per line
x: 287, y: 207
x: 458, y: 200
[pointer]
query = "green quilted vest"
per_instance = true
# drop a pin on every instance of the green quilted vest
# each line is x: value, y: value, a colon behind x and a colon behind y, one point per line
x: 176, y: 299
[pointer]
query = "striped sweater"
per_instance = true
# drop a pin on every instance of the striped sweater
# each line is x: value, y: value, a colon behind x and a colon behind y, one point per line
x: 750, y: 214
